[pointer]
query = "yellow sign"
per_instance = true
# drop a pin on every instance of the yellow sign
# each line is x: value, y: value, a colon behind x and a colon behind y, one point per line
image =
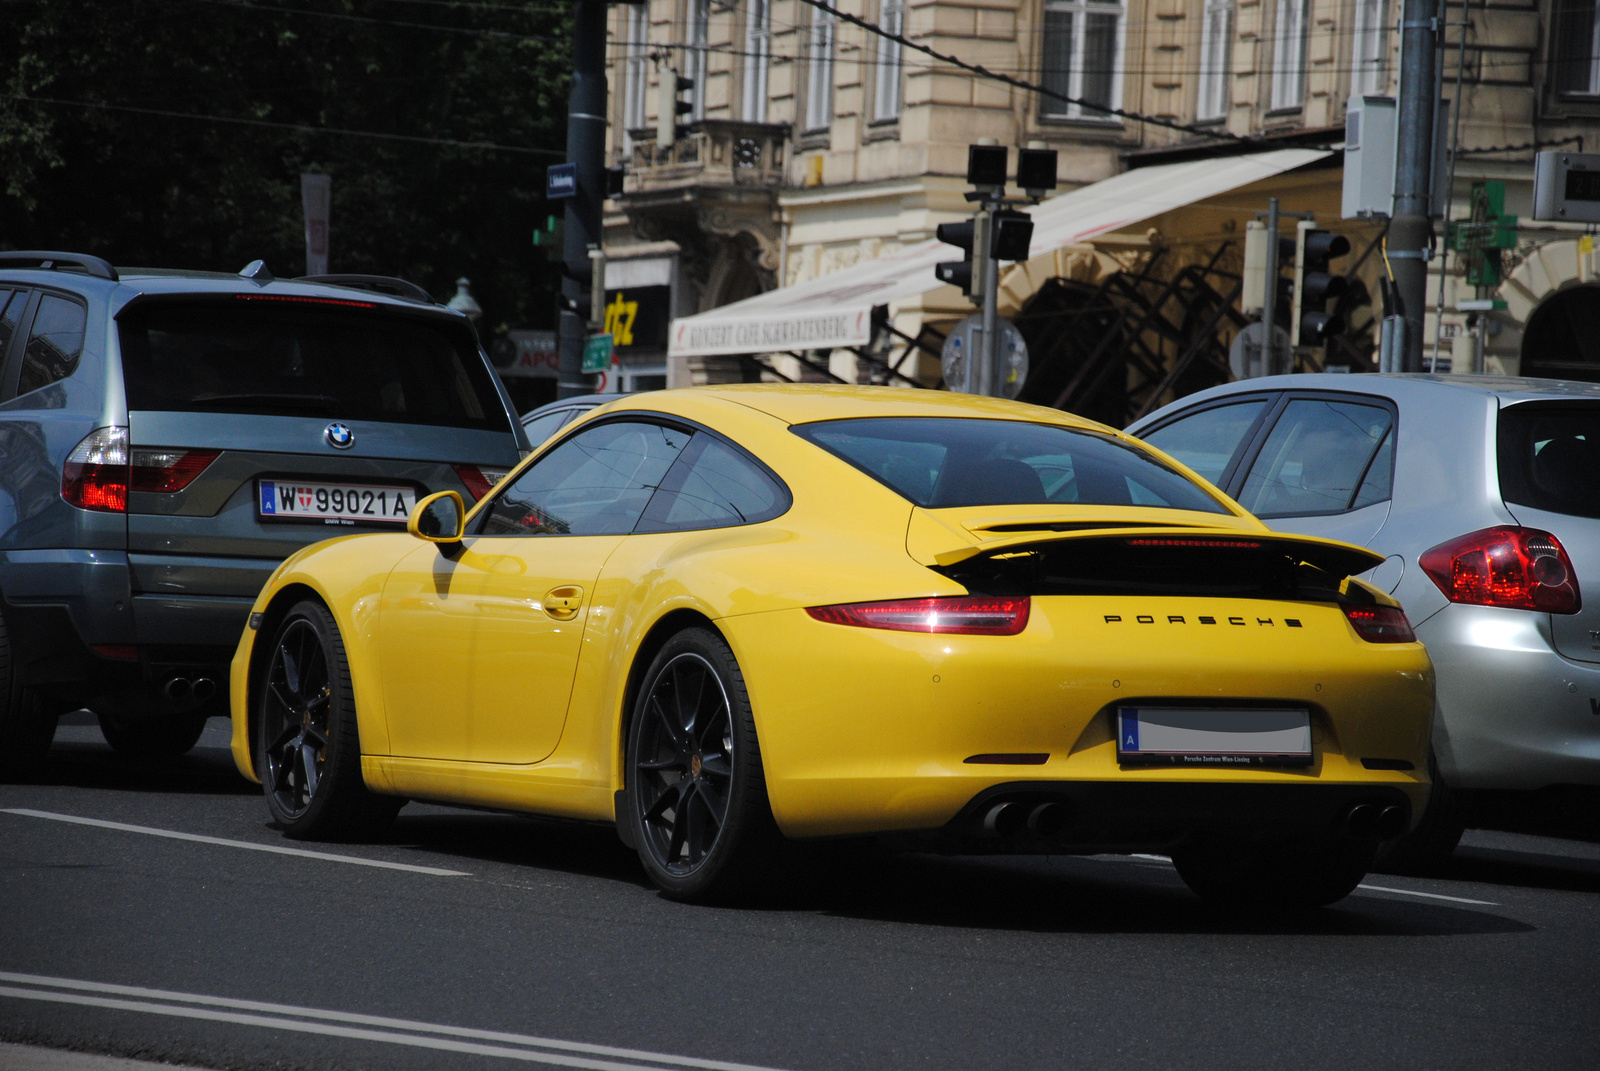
x: 619, y: 320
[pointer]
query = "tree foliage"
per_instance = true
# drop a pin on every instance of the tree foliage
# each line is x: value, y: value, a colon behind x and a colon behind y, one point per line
x: 80, y: 169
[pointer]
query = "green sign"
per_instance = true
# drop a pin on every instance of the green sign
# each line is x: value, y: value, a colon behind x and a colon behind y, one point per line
x: 596, y: 353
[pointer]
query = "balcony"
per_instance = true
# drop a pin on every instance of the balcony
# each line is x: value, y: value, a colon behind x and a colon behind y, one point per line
x: 715, y: 152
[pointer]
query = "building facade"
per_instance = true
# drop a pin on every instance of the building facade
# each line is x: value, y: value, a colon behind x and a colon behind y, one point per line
x: 808, y: 143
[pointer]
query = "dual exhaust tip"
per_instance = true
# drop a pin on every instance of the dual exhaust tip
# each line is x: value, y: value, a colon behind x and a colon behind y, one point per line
x: 181, y: 688
x: 1044, y: 819
x: 1368, y: 821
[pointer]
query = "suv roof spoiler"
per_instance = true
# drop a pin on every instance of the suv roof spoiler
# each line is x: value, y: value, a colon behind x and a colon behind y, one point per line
x: 50, y: 260
x: 378, y: 284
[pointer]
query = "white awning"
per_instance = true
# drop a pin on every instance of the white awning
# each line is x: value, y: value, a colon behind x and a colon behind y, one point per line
x: 835, y: 310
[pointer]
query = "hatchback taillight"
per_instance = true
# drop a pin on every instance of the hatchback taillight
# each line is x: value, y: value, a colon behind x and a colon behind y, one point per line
x: 972, y: 615
x: 95, y: 475
x: 1519, y: 568
x: 1380, y: 624
x: 478, y: 482
x: 166, y: 471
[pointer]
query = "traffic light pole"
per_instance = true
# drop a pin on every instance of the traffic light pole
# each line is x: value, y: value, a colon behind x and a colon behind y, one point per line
x: 1269, y: 303
x: 586, y: 139
x: 989, y: 365
x: 1410, y: 238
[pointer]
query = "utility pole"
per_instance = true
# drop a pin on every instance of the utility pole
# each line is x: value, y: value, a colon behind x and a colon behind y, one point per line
x: 1410, y: 240
x: 586, y: 138
x: 1269, y: 307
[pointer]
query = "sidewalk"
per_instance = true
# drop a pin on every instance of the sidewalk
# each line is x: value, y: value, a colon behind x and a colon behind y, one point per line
x: 33, y: 1058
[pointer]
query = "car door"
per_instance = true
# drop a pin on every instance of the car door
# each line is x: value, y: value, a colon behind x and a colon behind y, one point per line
x: 479, y: 640
x: 1324, y: 467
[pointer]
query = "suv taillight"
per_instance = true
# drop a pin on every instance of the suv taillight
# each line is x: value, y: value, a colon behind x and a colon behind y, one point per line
x: 165, y: 471
x: 1519, y: 568
x: 1380, y: 624
x: 971, y: 615
x: 479, y: 482
x: 95, y: 475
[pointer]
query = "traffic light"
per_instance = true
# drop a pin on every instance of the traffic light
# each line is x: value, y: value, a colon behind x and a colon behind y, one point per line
x: 1013, y: 234
x: 968, y: 273
x: 548, y: 239
x: 1253, y: 297
x: 669, y: 105
x: 1314, y: 285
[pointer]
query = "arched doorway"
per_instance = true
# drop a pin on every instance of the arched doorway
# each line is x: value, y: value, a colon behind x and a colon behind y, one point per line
x: 1562, y: 337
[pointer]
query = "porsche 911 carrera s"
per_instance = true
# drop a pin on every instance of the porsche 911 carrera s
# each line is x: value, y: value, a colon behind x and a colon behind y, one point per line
x: 731, y: 616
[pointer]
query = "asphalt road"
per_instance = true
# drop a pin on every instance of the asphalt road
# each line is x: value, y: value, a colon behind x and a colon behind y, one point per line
x: 476, y: 940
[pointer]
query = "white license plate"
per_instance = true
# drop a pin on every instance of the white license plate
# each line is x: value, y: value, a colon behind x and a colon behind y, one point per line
x: 1213, y: 736
x: 333, y: 503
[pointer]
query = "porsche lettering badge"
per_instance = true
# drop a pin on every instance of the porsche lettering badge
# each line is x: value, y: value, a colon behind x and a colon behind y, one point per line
x: 1180, y: 619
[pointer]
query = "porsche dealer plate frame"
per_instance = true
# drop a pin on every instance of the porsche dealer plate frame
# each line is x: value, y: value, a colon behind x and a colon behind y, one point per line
x: 1213, y: 736
x: 330, y: 502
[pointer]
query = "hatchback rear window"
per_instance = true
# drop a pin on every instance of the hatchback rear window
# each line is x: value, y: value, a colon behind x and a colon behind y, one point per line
x: 958, y: 461
x: 1550, y: 458
x: 241, y: 356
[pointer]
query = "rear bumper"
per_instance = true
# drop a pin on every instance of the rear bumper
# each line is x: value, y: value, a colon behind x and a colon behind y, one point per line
x: 1513, y: 713
x: 870, y: 731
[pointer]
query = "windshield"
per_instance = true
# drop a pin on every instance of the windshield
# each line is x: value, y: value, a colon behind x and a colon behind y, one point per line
x: 245, y: 356
x: 938, y: 462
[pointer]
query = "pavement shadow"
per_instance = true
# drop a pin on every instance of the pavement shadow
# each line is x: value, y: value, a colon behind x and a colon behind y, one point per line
x: 1521, y: 868
x: 80, y: 758
x: 1099, y: 896
x: 587, y: 848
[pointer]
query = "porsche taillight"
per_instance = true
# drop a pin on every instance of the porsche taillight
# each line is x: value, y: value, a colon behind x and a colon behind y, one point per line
x: 970, y: 615
x: 1380, y: 624
x: 95, y: 476
x: 1518, y: 568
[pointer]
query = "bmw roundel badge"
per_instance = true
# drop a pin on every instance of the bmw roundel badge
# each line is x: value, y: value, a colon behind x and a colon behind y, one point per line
x: 339, y: 436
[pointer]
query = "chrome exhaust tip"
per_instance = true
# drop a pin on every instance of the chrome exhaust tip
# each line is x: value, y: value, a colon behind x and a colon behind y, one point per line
x: 1049, y: 819
x: 1392, y: 821
x: 176, y: 688
x: 1362, y: 821
x: 1004, y: 818
x: 203, y: 688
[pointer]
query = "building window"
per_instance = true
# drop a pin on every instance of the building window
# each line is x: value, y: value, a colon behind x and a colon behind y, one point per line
x: 1576, y: 63
x: 819, y: 71
x: 1289, y: 55
x: 695, y: 55
x: 1082, y: 58
x: 1216, y: 49
x: 635, y: 73
x: 1369, y: 59
x: 757, y: 60
x: 887, y: 100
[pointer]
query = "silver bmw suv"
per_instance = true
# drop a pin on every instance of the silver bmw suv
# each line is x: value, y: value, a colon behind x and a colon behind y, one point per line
x: 1484, y: 493
x: 167, y: 438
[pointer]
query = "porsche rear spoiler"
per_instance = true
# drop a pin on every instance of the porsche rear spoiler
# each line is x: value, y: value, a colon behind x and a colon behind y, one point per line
x: 934, y: 542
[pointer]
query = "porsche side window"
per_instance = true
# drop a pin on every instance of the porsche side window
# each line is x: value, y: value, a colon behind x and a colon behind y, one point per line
x: 596, y: 483
x: 1315, y: 458
x: 1206, y: 441
x: 713, y: 486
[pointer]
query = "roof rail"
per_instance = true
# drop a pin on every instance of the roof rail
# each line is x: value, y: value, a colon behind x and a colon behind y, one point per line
x: 378, y: 284
x: 50, y: 260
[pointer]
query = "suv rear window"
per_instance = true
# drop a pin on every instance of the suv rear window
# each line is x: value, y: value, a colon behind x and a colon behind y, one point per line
x: 961, y: 461
x: 1550, y: 458
x: 242, y: 356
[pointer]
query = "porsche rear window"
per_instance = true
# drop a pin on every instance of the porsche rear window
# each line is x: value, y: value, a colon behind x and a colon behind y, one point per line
x: 242, y: 357
x: 960, y: 461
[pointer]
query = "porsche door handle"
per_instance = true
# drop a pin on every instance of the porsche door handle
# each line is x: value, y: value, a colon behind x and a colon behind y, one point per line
x: 563, y: 603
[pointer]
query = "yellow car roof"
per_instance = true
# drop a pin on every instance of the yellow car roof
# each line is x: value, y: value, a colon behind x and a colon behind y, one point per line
x: 801, y: 403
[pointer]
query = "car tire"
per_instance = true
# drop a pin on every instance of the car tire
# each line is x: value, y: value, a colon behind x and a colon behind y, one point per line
x: 163, y: 737
x: 1429, y: 846
x: 696, y: 798
x: 27, y: 723
x: 308, y: 749
x: 1274, y: 876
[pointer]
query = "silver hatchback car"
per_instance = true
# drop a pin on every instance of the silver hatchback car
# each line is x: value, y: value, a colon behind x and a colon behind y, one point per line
x: 1484, y: 492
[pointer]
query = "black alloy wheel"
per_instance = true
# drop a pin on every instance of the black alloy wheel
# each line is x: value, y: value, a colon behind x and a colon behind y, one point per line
x: 309, y: 752
x: 697, y: 798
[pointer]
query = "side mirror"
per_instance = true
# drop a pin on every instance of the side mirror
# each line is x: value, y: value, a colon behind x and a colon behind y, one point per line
x: 438, y: 518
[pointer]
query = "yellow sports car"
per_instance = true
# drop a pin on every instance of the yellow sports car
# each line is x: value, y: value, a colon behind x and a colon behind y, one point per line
x: 726, y: 616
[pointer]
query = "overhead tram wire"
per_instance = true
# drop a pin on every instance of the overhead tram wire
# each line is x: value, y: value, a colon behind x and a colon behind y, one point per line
x: 482, y: 146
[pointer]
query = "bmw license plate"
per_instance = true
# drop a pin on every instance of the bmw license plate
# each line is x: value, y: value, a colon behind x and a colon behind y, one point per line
x: 1213, y: 736
x: 333, y: 503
